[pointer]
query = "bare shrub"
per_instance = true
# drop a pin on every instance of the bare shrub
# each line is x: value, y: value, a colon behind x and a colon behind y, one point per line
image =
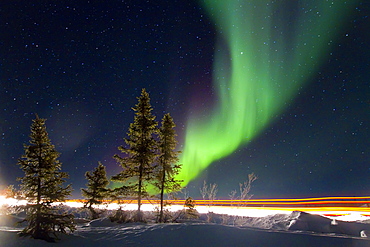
x: 245, y: 187
x: 244, y: 190
x: 123, y: 216
x: 209, y: 192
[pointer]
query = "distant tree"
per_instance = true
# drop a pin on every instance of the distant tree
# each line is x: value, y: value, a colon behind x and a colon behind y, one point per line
x: 12, y: 192
x: 190, y: 211
x: 42, y: 185
x: 138, y: 165
x: 96, y: 190
x: 167, y: 167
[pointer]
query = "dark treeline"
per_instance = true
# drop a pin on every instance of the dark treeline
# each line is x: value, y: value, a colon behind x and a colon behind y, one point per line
x: 149, y: 163
x: 149, y: 166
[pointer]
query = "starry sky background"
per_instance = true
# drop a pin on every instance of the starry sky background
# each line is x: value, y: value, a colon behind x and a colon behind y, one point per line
x: 81, y: 65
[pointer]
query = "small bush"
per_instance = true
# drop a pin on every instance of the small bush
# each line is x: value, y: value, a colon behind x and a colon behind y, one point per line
x: 125, y: 216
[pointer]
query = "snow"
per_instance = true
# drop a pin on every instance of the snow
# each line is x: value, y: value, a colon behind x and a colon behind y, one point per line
x: 231, y: 226
x: 275, y: 229
x: 184, y: 234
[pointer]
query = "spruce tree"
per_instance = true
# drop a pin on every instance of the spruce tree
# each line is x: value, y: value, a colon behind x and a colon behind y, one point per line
x: 42, y: 185
x: 167, y: 166
x: 96, y: 190
x: 138, y: 165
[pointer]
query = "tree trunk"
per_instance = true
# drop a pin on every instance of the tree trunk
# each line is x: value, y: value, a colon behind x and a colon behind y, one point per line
x: 162, y: 192
x: 38, y: 209
x: 139, y: 218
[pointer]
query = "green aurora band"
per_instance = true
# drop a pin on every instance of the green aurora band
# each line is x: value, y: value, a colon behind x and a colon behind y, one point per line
x: 266, y: 52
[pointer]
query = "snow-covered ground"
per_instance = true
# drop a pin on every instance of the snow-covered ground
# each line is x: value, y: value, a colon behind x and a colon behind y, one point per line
x: 261, y: 228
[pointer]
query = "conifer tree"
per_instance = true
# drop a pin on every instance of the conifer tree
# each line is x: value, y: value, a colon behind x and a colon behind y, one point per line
x: 42, y: 185
x: 96, y: 190
x: 167, y: 166
x: 138, y: 165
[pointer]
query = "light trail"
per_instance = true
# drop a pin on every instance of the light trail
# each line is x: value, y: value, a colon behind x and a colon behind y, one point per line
x: 303, y: 202
x: 341, y: 208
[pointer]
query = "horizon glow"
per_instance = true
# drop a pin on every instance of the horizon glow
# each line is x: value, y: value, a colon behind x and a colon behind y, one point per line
x: 341, y: 208
x: 266, y: 52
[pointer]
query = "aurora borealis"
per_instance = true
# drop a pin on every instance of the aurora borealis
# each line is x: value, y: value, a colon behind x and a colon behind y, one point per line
x: 278, y: 88
x: 267, y: 53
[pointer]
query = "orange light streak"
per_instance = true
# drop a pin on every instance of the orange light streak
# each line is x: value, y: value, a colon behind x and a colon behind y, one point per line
x: 345, y: 203
x: 341, y: 208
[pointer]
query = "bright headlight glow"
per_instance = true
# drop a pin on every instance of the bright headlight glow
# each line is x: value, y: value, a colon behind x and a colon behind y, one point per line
x: 340, y: 208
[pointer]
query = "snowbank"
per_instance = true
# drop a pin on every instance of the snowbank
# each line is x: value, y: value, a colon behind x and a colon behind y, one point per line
x: 182, y: 235
x: 315, y: 223
x: 296, y: 229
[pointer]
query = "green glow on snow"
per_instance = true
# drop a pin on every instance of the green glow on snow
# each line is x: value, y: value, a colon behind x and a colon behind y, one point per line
x: 261, y: 63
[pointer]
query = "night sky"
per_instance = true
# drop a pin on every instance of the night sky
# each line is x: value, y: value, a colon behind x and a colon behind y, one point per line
x: 81, y: 65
